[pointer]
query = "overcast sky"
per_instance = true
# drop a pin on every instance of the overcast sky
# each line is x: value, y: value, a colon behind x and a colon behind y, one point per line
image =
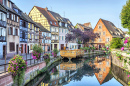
x: 79, y: 11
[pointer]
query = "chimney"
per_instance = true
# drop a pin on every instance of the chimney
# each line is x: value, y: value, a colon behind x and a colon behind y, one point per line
x: 46, y: 8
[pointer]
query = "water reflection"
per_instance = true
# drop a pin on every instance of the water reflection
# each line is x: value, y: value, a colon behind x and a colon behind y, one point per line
x: 78, y: 72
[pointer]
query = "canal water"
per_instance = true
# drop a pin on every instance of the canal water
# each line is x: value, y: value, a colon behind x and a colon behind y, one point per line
x: 88, y: 71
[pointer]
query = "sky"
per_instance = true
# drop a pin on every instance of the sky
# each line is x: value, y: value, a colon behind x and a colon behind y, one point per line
x: 79, y: 11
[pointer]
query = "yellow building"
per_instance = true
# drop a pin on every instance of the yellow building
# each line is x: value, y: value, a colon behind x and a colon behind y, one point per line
x: 43, y: 16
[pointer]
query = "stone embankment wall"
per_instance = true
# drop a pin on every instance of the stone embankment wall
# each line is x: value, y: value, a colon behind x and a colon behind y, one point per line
x: 31, y: 72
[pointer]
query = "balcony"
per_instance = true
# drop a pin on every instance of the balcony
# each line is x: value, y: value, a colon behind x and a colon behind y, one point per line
x: 2, y: 23
x: 2, y: 39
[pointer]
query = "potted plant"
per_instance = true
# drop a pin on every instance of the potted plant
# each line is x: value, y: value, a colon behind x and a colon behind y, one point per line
x: 47, y: 58
x: 37, y: 50
x: 55, y: 52
x: 17, y: 67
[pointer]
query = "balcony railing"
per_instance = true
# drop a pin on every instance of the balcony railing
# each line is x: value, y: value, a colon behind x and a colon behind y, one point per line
x: 2, y: 39
x: 2, y: 23
x: 13, y: 22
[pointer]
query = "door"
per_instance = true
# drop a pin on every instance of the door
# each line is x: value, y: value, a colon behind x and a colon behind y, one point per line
x: 28, y: 49
x: 79, y: 46
x: 25, y: 48
x: 17, y: 48
x: 62, y: 46
x: 55, y: 46
x: 51, y: 46
x: 4, y: 51
x: 99, y: 47
x: 21, y: 48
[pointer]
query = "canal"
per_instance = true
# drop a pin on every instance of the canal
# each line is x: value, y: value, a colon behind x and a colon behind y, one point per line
x: 88, y: 71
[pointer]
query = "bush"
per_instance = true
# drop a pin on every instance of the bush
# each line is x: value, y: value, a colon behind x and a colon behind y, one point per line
x: 116, y: 43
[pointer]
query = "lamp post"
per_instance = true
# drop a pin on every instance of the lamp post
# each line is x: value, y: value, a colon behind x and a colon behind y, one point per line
x: 44, y: 37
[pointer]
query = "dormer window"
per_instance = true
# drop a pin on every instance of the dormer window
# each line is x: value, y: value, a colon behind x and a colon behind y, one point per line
x: 50, y: 22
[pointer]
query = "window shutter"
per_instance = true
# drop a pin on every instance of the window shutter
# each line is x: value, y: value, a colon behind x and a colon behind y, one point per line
x: 13, y: 31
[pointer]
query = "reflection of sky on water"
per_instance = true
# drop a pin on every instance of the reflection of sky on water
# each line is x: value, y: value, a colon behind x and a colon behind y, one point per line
x: 92, y: 81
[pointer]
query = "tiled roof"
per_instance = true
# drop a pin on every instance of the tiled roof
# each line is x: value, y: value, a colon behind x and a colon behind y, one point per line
x: 114, y: 31
x: 85, y: 28
x: 87, y: 24
x: 43, y: 28
x: 70, y: 26
x: 48, y: 15
x: 57, y: 16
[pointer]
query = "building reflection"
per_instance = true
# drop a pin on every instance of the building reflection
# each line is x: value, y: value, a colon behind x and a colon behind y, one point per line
x: 99, y: 67
x: 104, y: 65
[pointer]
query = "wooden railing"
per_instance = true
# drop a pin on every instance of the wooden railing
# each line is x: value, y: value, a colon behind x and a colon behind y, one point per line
x: 71, y: 53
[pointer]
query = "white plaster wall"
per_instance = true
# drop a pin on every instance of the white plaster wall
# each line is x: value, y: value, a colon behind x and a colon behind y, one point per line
x: 11, y: 38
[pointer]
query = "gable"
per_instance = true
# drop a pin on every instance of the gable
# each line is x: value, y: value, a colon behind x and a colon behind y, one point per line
x: 97, y: 30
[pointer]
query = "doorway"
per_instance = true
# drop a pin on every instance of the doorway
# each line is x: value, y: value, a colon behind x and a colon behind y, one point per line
x: 17, y: 49
x: 25, y: 48
x: 55, y: 46
x: 4, y: 51
x: 79, y: 46
x: 28, y: 49
x: 62, y: 46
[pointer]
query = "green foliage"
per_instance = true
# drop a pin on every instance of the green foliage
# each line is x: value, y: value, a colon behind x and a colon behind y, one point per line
x: 116, y: 43
x: 120, y: 57
x: 37, y: 48
x: 17, y: 66
x: 55, y: 51
x: 106, y: 50
x: 46, y: 58
x: 125, y: 16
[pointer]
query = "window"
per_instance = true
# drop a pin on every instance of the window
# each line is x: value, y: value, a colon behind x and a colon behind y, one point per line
x: 100, y: 40
x: 7, y: 15
x: 99, y: 33
x: 10, y: 5
x: 17, y: 18
x: 57, y: 30
x: 59, y: 37
x: 104, y: 33
x: 4, y: 2
x: 0, y: 31
x: 12, y: 17
x: 62, y: 30
x: 99, y: 26
x: 100, y: 75
x: 31, y: 47
x: 55, y: 23
x: 40, y: 15
x: 12, y: 46
x: 62, y: 38
x: 16, y: 32
x: 107, y: 39
x: 10, y: 31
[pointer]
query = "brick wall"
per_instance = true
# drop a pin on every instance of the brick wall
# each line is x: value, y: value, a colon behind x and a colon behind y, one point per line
x: 31, y: 72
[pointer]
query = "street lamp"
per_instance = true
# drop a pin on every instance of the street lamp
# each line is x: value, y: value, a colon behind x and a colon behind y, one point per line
x: 44, y: 37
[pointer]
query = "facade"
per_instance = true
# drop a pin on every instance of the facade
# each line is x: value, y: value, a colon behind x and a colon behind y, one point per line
x: 12, y: 28
x: 23, y: 34
x: 43, y: 16
x: 63, y: 30
x: 72, y: 44
x: 33, y: 34
x: 107, y: 30
x: 46, y: 44
x: 3, y: 36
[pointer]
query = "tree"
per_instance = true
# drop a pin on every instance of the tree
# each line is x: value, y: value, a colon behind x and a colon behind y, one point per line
x: 85, y: 36
x: 125, y: 16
